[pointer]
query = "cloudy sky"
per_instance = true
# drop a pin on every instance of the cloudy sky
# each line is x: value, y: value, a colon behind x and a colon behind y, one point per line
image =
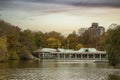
x: 59, y: 15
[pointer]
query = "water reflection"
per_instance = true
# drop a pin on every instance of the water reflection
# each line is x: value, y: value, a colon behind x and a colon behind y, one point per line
x: 113, y: 77
x: 19, y: 64
x: 57, y: 70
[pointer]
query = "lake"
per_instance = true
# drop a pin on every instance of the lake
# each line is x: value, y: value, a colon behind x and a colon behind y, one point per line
x: 57, y: 70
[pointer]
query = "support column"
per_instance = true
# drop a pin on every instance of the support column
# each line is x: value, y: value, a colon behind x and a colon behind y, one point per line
x: 100, y: 56
x: 93, y: 56
x: 57, y: 55
x: 81, y: 56
x: 87, y: 56
x: 64, y: 55
x: 75, y: 56
x: 69, y: 56
x: 43, y: 55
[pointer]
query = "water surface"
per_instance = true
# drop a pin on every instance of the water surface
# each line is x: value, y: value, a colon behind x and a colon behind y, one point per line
x: 57, y: 70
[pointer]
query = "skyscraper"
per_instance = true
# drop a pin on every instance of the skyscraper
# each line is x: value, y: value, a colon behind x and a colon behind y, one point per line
x: 95, y: 30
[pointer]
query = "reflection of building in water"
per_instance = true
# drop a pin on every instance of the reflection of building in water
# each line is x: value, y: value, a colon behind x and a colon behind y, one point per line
x: 82, y: 54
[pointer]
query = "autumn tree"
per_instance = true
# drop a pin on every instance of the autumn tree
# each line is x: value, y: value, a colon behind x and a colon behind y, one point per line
x: 27, y: 39
x: 85, y: 38
x: 12, y: 37
x: 72, y: 40
x: 40, y: 39
x: 53, y: 42
x: 13, y: 55
x: 13, y: 46
x: 78, y: 46
x: 55, y: 35
x: 3, y: 48
x: 101, y: 44
x: 90, y: 39
x: 17, y: 42
x: 12, y: 40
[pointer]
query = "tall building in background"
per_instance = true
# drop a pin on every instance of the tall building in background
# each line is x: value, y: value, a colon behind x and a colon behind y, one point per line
x: 95, y: 30
x: 91, y: 36
x: 101, y: 30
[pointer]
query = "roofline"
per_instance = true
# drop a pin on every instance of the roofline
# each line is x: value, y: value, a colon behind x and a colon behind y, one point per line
x: 79, y: 52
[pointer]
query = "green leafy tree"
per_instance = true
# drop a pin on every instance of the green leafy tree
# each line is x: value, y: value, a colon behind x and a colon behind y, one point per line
x: 112, y: 44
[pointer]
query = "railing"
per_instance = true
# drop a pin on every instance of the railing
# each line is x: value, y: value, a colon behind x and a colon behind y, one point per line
x: 79, y: 56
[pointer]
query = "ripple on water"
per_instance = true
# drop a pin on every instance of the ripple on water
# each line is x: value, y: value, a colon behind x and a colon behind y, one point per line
x: 59, y: 72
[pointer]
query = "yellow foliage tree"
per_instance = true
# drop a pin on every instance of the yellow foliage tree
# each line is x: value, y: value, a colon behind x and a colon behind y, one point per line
x: 3, y: 49
x: 79, y: 46
x: 53, y: 42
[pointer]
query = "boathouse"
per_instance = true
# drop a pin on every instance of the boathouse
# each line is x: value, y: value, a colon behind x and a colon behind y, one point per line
x: 82, y: 54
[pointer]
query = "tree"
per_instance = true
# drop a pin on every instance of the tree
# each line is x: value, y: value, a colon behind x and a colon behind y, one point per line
x: 3, y: 49
x: 79, y: 46
x: 25, y: 54
x: 55, y: 34
x: 72, y: 40
x: 89, y: 39
x: 53, y: 42
x: 39, y: 39
x: 12, y: 41
x: 85, y: 38
x: 13, y: 55
x: 112, y: 44
x: 101, y: 43
x: 81, y: 31
x: 27, y: 39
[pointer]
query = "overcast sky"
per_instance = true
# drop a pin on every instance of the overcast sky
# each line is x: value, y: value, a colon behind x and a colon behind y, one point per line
x: 59, y: 15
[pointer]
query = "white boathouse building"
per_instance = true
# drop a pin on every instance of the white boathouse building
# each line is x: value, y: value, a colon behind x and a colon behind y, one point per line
x: 81, y: 54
